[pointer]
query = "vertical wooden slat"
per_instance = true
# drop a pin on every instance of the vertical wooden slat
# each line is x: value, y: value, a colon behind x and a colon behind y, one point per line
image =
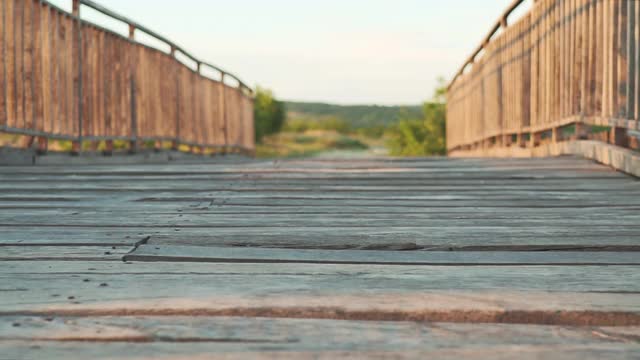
x: 637, y: 63
x: 535, y: 41
x: 555, y: 73
x: 47, y: 71
x: 547, y: 59
x: 606, y: 66
x: 38, y: 42
x: 70, y: 70
x: 3, y: 60
x: 632, y: 43
x: 622, y: 61
x: 56, y: 116
x: 589, y: 89
x: 18, y: 26
x: 223, y: 110
x: 578, y: 59
x: 598, y: 58
x: 526, y: 90
x: 132, y: 59
x: 613, y: 51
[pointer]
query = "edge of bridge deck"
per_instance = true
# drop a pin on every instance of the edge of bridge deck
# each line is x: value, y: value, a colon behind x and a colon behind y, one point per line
x: 29, y: 157
x: 621, y: 159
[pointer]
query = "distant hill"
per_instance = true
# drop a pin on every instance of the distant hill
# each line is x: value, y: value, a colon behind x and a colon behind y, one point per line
x: 358, y: 116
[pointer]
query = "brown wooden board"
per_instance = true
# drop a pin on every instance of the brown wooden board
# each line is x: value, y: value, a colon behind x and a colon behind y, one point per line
x: 182, y: 337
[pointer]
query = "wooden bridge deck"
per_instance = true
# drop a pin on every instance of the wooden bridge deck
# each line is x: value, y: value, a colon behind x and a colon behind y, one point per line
x: 320, y: 259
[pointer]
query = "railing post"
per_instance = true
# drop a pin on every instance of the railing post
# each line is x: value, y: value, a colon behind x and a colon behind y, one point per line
x: 76, y: 146
x: 618, y: 136
x: 555, y: 135
x: 520, y: 140
x: 194, y: 149
x: 507, y: 140
x: 223, y: 108
x: 534, y: 139
x: 580, y: 130
x: 133, y: 144
x: 175, y: 145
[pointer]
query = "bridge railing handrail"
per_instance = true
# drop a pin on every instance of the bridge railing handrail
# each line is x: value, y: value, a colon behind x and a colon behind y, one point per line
x: 66, y: 78
x: 501, y: 23
x: 565, y: 70
x: 95, y: 6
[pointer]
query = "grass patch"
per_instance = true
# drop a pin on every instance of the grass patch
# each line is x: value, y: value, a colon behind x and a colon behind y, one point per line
x: 309, y: 143
x: 304, y: 139
x: 347, y: 143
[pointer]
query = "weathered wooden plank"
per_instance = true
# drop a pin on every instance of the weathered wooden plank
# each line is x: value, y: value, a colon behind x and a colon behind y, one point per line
x: 207, y: 216
x: 325, y: 235
x: 67, y: 253
x: 309, y: 200
x: 176, y: 183
x: 300, y: 338
x: 591, y: 188
x: 200, y: 352
x: 183, y: 192
x: 165, y: 253
x: 467, y: 294
x: 110, y: 298
x: 20, y: 279
x: 361, y: 174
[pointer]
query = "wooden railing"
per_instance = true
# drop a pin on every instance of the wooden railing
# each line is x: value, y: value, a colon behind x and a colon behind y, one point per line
x: 567, y: 69
x: 68, y: 79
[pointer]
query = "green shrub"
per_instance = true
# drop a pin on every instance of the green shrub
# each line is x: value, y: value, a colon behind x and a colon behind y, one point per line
x: 301, y: 125
x: 269, y: 114
x: 421, y: 137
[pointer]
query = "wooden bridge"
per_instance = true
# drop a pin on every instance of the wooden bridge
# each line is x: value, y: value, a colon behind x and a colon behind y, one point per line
x: 182, y: 256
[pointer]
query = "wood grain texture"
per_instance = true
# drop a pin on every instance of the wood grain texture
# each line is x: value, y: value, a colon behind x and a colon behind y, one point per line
x: 139, y: 338
x: 155, y: 253
x: 523, y: 294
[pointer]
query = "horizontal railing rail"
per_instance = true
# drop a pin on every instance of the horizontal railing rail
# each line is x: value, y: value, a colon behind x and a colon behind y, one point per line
x: 567, y: 69
x: 137, y: 26
x: 66, y: 78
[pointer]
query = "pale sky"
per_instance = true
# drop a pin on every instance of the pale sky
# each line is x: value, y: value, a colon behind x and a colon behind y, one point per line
x: 340, y: 51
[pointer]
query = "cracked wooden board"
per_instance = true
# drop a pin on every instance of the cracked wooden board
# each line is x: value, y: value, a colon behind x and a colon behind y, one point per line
x: 156, y: 253
x: 320, y: 234
x: 185, y: 337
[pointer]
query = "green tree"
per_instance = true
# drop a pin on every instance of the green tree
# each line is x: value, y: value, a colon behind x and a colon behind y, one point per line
x: 269, y: 113
x: 422, y: 137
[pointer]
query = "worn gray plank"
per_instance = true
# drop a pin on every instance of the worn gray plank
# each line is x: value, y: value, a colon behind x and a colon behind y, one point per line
x: 165, y: 253
x: 323, y: 237
x: 176, y: 337
x: 171, y: 288
x: 67, y: 253
x: 200, y: 218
